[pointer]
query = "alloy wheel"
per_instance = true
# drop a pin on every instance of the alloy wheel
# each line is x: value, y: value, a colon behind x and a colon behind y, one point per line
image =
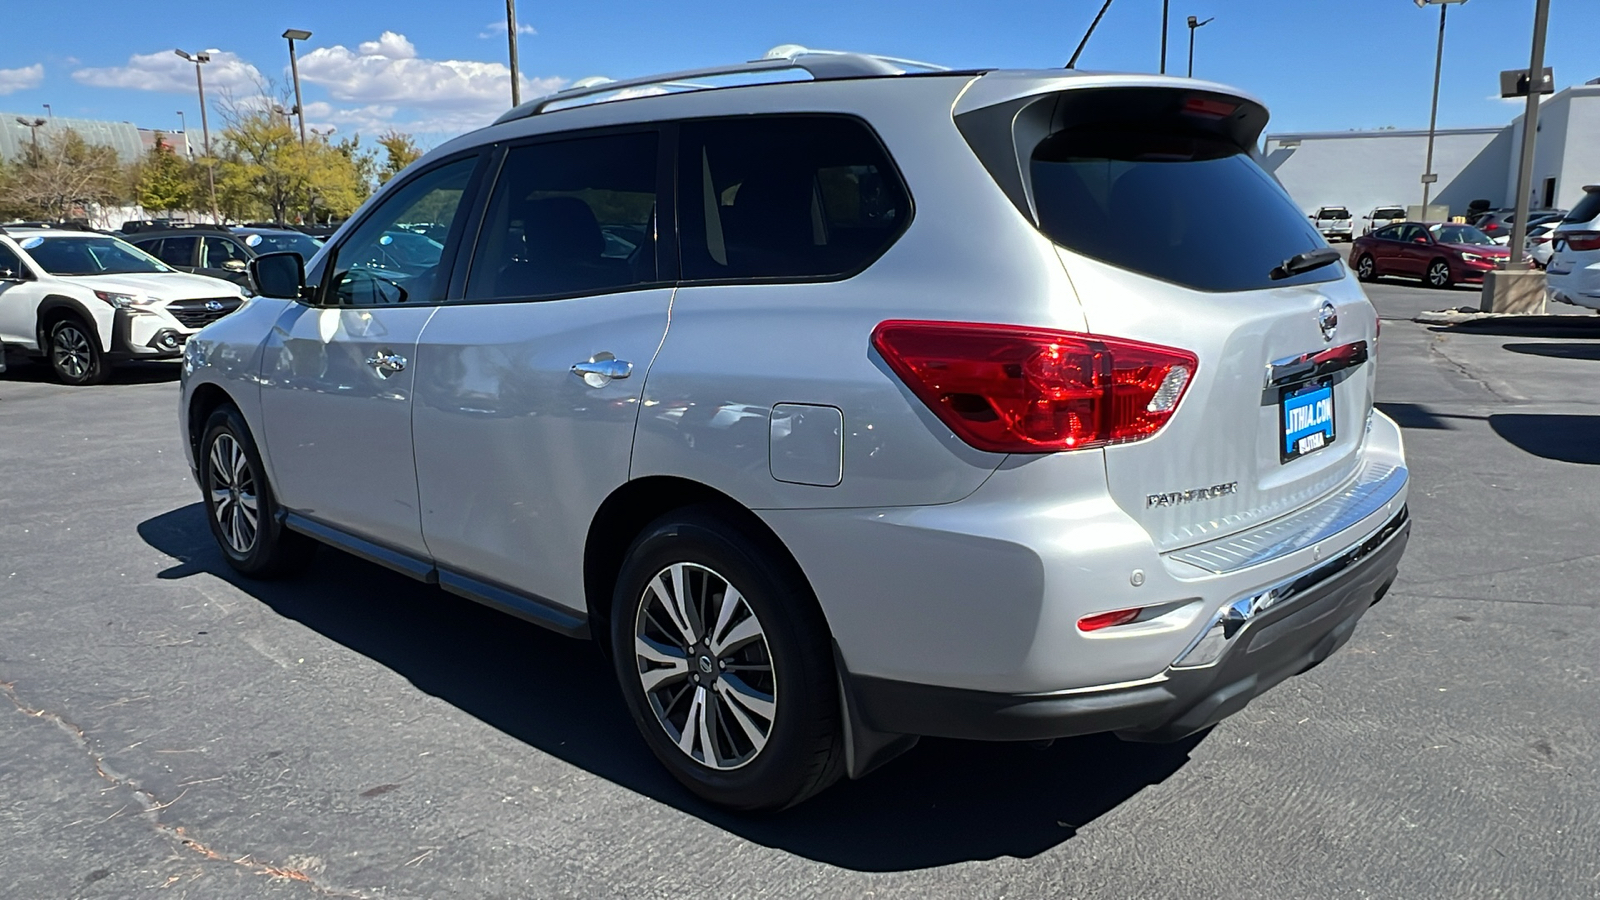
x: 71, y: 352
x: 1439, y: 274
x: 233, y: 494
x: 1365, y: 268
x: 705, y: 666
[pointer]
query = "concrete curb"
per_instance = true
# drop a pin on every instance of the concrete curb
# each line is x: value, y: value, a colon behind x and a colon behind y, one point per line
x: 1466, y: 318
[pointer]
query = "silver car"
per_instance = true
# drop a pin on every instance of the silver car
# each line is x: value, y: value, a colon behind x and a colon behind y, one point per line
x: 839, y: 411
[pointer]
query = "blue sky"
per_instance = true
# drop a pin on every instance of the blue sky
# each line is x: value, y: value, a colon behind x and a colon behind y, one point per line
x: 438, y: 68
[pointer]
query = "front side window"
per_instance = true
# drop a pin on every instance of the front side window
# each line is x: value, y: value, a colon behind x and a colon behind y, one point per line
x: 218, y: 252
x: 1413, y: 234
x: 785, y: 197
x: 569, y: 217
x: 177, y: 251
x: 395, y: 255
x: 10, y: 264
x: 91, y: 256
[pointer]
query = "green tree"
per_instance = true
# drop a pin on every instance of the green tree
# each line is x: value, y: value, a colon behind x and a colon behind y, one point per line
x: 400, y: 151
x: 163, y: 182
x: 338, y: 178
x: 261, y: 167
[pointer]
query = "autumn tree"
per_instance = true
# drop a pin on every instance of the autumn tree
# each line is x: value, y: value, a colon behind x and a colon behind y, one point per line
x: 164, y: 182
x: 399, y: 151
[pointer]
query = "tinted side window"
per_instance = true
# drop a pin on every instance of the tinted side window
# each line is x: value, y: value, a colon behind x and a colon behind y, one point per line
x: 785, y: 197
x: 10, y: 263
x: 569, y: 217
x: 176, y: 251
x: 1388, y: 233
x: 395, y: 254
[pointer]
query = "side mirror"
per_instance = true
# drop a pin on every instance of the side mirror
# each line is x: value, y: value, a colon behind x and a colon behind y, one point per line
x: 1419, y: 240
x: 235, y: 265
x: 279, y: 275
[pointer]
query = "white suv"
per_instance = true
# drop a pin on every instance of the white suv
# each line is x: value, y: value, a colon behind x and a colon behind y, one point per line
x: 1573, y: 270
x: 1335, y: 223
x: 85, y: 301
x: 837, y: 411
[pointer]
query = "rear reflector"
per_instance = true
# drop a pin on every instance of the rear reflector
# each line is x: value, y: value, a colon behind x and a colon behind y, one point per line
x: 1581, y: 240
x: 1015, y: 389
x: 1108, y: 619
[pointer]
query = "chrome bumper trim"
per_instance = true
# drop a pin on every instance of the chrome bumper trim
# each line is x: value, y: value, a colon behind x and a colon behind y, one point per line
x: 1375, y: 485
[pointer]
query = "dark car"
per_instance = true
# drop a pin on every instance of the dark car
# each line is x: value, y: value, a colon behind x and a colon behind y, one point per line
x: 221, y: 252
x: 1496, y: 223
x: 1440, y: 254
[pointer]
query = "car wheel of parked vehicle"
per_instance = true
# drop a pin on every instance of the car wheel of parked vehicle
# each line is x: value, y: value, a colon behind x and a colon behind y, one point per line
x: 1366, y: 268
x: 75, y: 355
x: 239, y: 504
x: 726, y: 663
x: 1439, y: 273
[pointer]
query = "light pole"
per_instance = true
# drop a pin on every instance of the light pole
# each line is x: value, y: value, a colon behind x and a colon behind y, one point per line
x: 296, y: 34
x: 1166, y: 16
x: 48, y: 111
x: 1428, y: 178
x: 1193, y: 24
x: 1530, y: 132
x: 32, y: 125
x: 184, y: 124
x: 200, y: 59
x: 511, y: 35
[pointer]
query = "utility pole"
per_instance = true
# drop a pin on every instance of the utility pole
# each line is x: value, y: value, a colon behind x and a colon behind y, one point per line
x: 1530, y: 134
x: 200, y: 59
x: 1166, y: 15
x: 296, y: 34
x: 511, y: 36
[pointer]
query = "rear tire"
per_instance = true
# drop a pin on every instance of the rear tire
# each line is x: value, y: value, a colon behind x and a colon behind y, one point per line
x: 240, y: 506
x: 1439, y: 274
x: 74, y: 353
x: 1367, y: 268
x: 726, y: 663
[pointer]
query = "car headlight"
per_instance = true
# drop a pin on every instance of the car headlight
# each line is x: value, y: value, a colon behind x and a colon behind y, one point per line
x: 127, y: 301
x: 1474, y: 257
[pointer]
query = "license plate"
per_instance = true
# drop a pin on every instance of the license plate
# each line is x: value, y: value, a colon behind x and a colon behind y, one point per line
x: 1306, y: 419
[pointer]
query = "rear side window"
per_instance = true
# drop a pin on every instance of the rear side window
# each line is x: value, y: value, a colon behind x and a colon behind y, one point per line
x: 1189, y: 209
x: 175, y: 251
x: 569, y: 217
x: 1587, y: 209
x: 785, y: 197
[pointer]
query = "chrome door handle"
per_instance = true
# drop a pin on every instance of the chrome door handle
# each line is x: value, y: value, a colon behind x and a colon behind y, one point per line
x: 386, y: 363
x: 600, y: 370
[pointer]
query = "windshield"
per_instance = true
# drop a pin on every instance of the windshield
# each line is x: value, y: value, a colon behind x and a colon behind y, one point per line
x: 302, y: 245
x: 1459, y: 234
x: 1333, y: 212
x: 1388, y: 212
x: 91, y: 255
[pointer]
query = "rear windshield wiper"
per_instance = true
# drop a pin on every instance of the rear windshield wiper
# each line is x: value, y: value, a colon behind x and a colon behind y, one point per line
x: 1305, y: 262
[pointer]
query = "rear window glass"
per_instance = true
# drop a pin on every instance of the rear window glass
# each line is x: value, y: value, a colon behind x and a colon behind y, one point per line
x: 785, y: 197
x: 1388, y: 212
x: 1335, y: 212
x: 1587, y: 208
x: 1165, y: 205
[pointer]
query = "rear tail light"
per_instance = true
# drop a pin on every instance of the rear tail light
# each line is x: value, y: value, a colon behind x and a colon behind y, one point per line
x: 1099, y: 621
x: 1582, y: 240
x: 1015, y: 389
x: 1492, y: 226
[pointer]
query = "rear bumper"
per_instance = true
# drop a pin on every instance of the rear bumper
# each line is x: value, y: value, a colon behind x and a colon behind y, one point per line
x: 1272, y: 639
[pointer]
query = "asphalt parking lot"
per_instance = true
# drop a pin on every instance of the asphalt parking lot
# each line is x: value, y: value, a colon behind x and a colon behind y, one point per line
x: 173, y: 731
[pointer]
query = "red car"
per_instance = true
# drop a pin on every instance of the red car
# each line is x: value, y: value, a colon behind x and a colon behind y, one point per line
x: 1440, y: 254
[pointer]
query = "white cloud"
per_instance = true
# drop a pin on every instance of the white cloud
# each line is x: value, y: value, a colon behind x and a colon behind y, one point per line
x: 449, y: 95
x: 173, y: 74
x: 498, y: 29
x: 13, y: 80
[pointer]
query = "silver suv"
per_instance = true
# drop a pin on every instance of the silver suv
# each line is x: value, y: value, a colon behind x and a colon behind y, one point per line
x: 839, y: 411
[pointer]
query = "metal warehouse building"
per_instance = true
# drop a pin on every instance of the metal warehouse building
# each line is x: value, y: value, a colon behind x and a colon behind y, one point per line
x: 127, y: 139
x: 1366, y: 169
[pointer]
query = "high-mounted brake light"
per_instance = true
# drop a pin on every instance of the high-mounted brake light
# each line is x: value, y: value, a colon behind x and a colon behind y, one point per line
x: 1015, y: 389
x: 1206, y: 106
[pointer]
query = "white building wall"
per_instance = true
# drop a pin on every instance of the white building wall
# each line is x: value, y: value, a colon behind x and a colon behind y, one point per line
x: 1363, y: 170
x: 1580, y: 164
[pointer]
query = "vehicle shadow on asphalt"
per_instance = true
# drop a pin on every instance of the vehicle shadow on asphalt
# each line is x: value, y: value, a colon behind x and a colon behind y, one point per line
x: 943, y: 802
x: 22, y: 370
x: 1565, y: 350
x: 1564, y: 438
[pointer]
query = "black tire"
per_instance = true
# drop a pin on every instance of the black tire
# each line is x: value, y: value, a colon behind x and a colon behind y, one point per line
x: 74, y: 353
x: 270, y: 550
x: 1367, y: 268
x: 1438, y: 275
x: 803, y: 749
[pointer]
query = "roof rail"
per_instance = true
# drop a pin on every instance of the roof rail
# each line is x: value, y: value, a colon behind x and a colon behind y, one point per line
x: 821, y: 65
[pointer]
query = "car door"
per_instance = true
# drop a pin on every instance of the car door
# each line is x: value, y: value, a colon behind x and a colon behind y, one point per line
x: 20, y: 295
x: 1386, y: 249
x: 1415, y: 250
x: 528, y: 388
x: 337, y: 372
x: 222, y: 257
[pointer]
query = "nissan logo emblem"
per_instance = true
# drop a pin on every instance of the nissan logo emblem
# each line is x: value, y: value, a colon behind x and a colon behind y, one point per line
x: 1328, y: 321
x: 214, y: 305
